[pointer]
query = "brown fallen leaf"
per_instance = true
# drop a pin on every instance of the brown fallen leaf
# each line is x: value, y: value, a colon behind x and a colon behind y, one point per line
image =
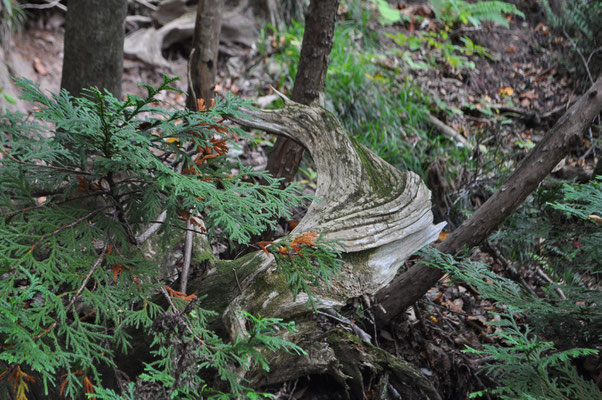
x: 38, y: 65
x: 595, y: 218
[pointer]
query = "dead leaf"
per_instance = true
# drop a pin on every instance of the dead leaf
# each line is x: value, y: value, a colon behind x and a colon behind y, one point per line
x: 39, y: 66
x: 530, y: 94
x: 511, y: 49
x: 595, y: 218
x: 506, y: 91
x: 117, y: 269
x: 544, y: 29
x: 455, y: 305
x: 478, y: 318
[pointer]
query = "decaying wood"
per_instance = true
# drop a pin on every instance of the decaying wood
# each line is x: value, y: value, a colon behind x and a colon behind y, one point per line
x: 379, y: 214
x: 410, y: 286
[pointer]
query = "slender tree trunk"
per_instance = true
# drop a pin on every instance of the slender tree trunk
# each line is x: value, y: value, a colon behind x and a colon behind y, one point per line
x: 203, y: 58
x: 94, y: 35
x: 411, y: 285
x: 309, y: 82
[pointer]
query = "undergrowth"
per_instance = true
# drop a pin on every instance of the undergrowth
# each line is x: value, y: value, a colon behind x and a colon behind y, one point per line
x: 539, y: 337
x: 374, y: 102
x: 80, y: 181
x: 370, y: 91
x: 579, y: 21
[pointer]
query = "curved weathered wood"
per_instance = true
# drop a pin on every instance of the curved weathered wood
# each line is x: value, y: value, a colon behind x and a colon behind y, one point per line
x: 362, y: 200
x: 381, y: 216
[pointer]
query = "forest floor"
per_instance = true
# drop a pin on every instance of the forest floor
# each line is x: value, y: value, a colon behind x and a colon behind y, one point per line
x: 525, y: 69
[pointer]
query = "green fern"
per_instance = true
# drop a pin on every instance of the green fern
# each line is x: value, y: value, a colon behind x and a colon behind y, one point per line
x: 581, y: 20
x: 526, y: 366
x: 454, y: 12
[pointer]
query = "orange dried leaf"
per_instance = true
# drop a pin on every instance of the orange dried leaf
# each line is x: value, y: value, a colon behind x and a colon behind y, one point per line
x: 283, y: 250
x: 39, y: 66
x: 82, y: 187
x: 220, y: 146
x: 443, y: 236
x: 308, y: 239
x: 179, y: 295
x: 201, y: 104
x: 263, y: 245
x: 18, y: 379
x: 117, y: 270
x: 506, y: 91
x: 88, y: 387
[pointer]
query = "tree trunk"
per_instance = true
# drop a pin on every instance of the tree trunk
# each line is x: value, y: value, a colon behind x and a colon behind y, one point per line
x: 309, y: 82
x: 411, y: 285
x: 94, y: 35
x: 205, y: 46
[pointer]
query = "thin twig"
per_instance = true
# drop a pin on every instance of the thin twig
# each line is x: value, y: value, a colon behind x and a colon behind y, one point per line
x: 147, y: 4
x: 490, y: 248
x: 589, y: 58
x: 585, y: 63
x: 54, y: 3
x: 187, y: 255
x: 98, y: 261
x: 67, y: 226
x: 336, y: 318
x: 190, y: 85
x: 550, y: 281
x: 156, y: 225
x: 448, y: 131
x: 62, y: 169
x: 237, y: 281
x: 558, y: 109
x: 50, y: 203
x: 179, y: 314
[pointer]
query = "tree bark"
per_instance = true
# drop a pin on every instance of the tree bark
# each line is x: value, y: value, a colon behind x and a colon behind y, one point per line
x: 309, y: 82
x: 94, y: 35
x: 411, y: 285
x: 205, y: 46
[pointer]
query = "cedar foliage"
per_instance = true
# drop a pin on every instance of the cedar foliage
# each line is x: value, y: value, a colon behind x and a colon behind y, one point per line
x: 538, y: 338
x: 78, y: 182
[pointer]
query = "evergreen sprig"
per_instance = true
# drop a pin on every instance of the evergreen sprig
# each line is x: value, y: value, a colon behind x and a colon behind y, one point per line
x: 526, y: 366
x: 78, y: 184
x: 306, y: 261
